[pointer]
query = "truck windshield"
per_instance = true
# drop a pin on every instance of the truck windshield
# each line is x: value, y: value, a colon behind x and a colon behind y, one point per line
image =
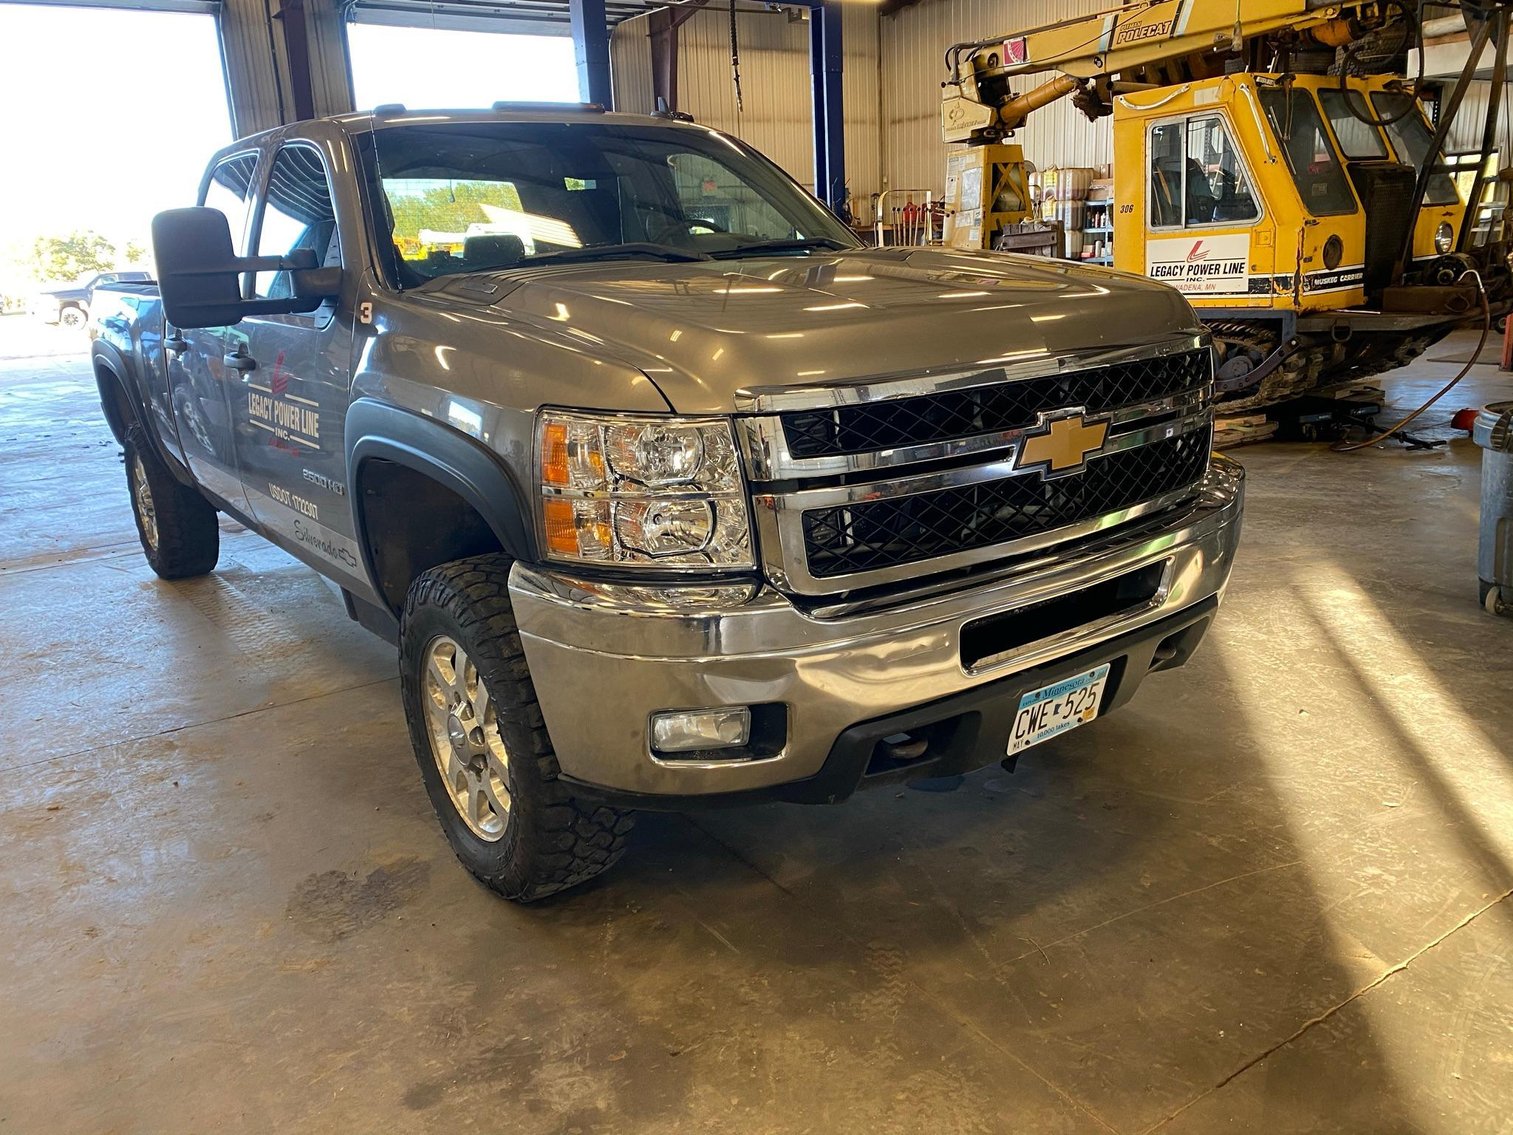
x: 1311, y: 157
x: 489, y: 196
x: 1411, y: 139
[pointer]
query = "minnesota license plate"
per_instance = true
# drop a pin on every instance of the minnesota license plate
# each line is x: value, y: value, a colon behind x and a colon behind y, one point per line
x: 1051, y: 710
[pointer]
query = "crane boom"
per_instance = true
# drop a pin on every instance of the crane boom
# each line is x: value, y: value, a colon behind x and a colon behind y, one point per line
x: 1269, y: 161
x: 1140, y: 41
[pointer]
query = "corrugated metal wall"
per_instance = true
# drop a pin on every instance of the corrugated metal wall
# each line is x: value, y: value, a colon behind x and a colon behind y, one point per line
x: 777, y: 93
x: 1466, y: 131
x: 913, y: 47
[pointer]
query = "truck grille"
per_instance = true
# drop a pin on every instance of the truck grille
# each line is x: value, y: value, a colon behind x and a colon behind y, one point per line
x: 882, y: 484
x: 987, y: 409
x: 894, y: 531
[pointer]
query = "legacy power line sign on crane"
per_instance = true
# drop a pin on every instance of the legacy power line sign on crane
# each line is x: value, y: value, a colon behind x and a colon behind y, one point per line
x: 1269, y: 162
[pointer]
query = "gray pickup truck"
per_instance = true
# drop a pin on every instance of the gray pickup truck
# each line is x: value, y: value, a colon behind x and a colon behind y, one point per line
x: 669, y: 491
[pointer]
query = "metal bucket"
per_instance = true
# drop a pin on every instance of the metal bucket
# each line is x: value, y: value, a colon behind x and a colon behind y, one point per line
x: 1494, y: 560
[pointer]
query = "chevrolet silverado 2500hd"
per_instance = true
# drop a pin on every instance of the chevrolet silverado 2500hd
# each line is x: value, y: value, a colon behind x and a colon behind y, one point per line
x: 669, y: 492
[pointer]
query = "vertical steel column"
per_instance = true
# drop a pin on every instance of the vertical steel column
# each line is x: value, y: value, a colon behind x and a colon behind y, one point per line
x: 826, y: 60
x: 291, y: 17
x: 817, y: 76
x: 591, y: 49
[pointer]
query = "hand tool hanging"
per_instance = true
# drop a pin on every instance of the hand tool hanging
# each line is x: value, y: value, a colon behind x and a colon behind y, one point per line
x: 735, y: 60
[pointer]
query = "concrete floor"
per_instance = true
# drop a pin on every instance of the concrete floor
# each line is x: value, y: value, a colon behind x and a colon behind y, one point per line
x: 1270, y: 896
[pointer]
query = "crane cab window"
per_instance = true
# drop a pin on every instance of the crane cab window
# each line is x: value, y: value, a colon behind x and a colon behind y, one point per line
x: 1411, y: 138
x: 1311, y: 156
x: 1197, y: 177
x: 1351, y: 118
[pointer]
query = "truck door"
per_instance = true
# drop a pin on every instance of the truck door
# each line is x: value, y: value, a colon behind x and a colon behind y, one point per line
x: 200, y: 386
x: 295, y: 377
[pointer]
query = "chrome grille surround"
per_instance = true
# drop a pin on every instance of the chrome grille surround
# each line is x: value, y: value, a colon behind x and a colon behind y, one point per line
x: 790, y: 492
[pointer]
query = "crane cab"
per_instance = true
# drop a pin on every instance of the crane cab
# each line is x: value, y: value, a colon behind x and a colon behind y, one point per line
x: 1279, y: 207
x: 1250, y: 192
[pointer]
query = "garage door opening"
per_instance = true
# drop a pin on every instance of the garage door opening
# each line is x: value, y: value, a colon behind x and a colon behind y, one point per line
x: 439, y: 67
x: 99, y: 134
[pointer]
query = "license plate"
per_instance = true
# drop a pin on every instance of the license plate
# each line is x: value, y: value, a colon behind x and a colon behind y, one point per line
x: 1052, y: 710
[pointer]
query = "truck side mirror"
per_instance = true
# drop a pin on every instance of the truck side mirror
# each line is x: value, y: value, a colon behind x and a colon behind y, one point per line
x: 200, y: 275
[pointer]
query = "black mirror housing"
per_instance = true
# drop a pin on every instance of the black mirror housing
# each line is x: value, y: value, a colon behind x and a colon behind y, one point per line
x: 200, y: 275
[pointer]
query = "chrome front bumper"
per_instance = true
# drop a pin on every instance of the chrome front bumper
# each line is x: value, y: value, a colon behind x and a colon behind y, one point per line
x: 605, y: 657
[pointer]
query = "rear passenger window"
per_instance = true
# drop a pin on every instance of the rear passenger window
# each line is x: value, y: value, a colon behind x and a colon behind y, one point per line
x: 228, y: 189
x: 298, y: 214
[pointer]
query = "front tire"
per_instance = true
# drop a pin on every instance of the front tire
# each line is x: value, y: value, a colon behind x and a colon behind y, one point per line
x: 481, y: 743
x: 178, y: 529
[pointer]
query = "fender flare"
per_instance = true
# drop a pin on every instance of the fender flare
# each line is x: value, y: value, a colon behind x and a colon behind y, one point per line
x: 112, y: 366
x: 381, y: 431
x: 106, y: 360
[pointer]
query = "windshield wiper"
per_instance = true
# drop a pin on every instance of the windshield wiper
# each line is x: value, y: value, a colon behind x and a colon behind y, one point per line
x: 614, y: 252
x: 801, y: 244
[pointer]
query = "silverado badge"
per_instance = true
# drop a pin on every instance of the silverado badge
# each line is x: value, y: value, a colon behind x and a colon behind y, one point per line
x: 1062, y: 444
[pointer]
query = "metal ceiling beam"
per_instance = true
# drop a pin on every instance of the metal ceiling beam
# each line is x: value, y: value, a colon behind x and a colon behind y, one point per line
x: 476, y: 14
x: 198, y: 7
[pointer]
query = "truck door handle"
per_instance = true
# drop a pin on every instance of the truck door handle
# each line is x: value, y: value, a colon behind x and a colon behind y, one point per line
x: 176, y: 343
x: 236, y: 360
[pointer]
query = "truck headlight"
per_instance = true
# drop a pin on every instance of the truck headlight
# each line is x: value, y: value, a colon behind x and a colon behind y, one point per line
x: 652, y: 492
x: 1444, y: 238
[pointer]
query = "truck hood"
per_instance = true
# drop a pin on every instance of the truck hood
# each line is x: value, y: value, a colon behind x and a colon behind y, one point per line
x: 705, y: 331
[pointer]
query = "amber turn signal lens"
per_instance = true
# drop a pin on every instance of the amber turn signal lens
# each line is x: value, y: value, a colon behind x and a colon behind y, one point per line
x: 561, y: 528
x: 554, y: 457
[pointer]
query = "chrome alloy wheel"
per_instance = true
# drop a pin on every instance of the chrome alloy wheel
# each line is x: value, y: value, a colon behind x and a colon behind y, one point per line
x: 465, y: 740
x: 141, y: 491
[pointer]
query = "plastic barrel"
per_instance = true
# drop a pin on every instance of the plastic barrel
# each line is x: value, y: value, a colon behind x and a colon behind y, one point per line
x: 1493, y: 431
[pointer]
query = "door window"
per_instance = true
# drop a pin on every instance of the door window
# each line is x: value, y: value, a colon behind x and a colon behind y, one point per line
x: 1197, y: 177
x: 297, y: 214
x: 229, y: 189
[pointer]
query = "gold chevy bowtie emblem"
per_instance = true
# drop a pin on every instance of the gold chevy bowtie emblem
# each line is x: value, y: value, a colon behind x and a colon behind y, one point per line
x: 1064, y: 446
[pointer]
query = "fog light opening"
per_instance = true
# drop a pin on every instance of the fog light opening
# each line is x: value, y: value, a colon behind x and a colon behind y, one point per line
x: 700, y: 730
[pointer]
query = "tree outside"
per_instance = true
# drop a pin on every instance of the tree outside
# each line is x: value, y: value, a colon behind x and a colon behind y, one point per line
x: 423, y: 205
x: 65, y: 258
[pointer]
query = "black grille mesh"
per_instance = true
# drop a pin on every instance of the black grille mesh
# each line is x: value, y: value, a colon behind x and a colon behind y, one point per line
x: 989, y: 409
x: 904, y: 530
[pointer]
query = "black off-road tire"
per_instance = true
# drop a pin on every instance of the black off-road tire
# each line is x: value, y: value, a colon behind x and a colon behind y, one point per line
x: 177, y: 526
x: 550, y: 841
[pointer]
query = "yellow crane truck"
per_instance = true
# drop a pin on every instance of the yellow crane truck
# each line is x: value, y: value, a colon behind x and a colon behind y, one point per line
x: 1257, y: 171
